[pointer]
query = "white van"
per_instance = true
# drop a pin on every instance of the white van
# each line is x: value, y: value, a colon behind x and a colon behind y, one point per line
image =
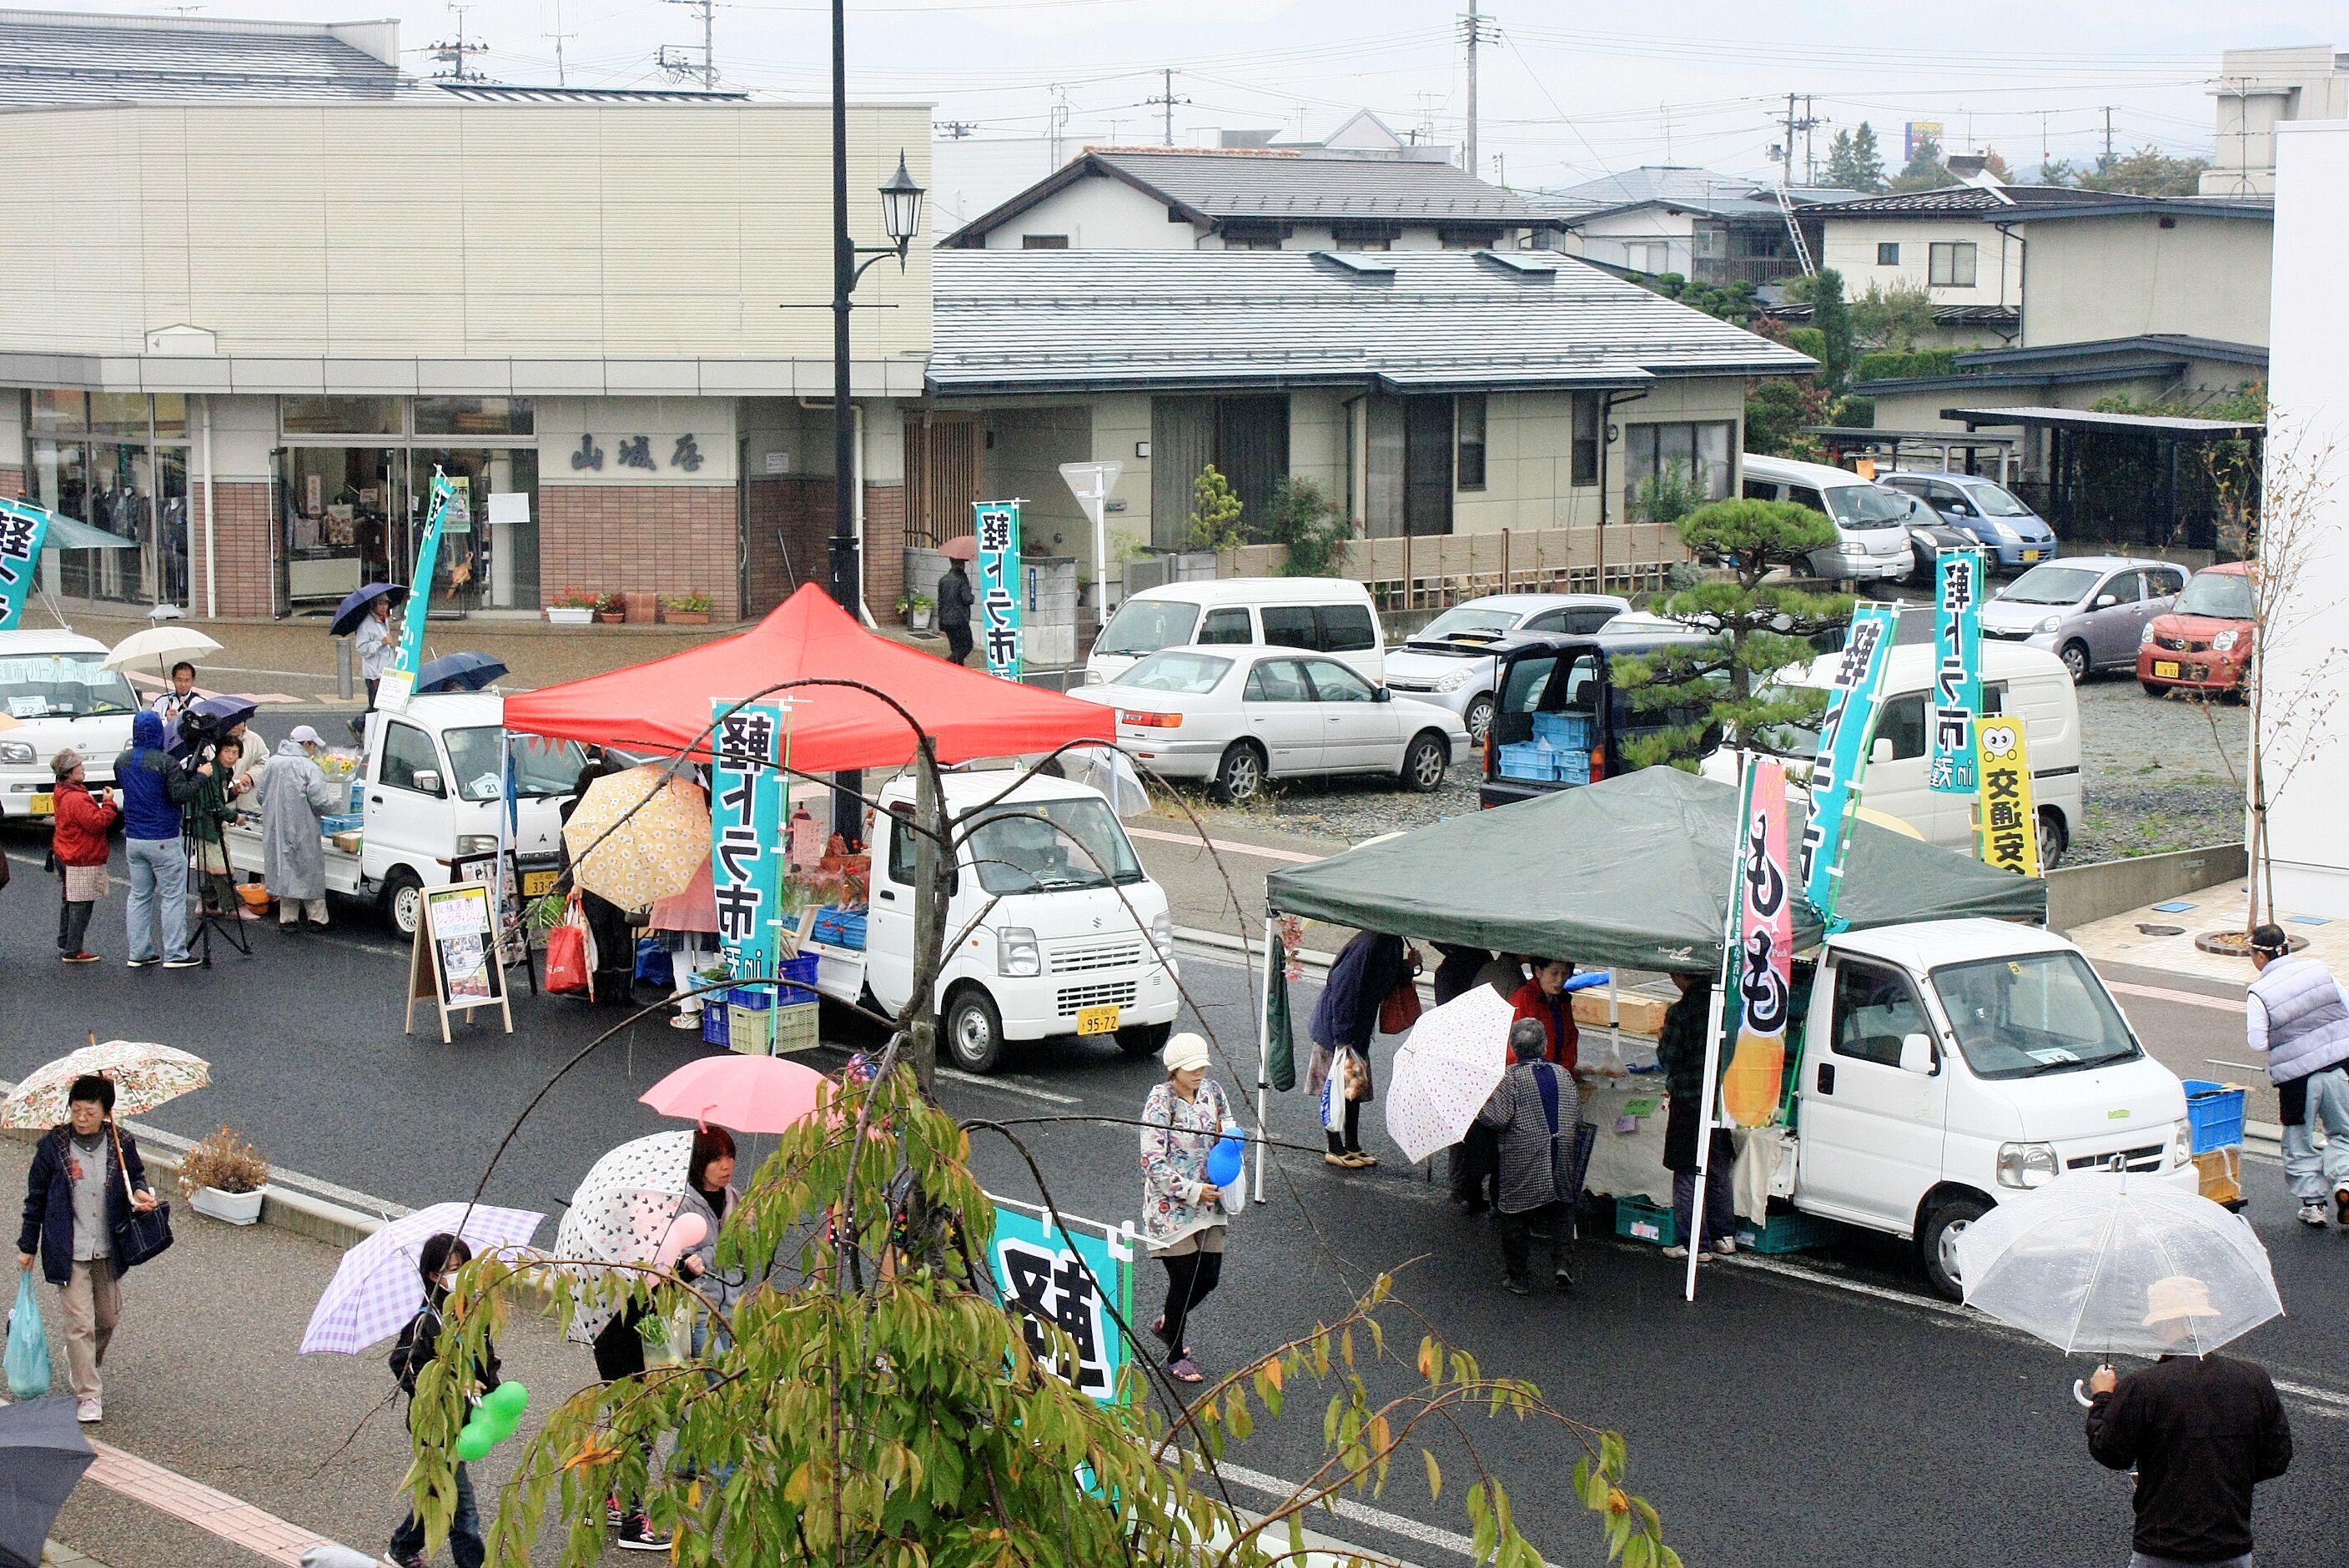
x: 1871, y: 522
x: 57, y: 689
x: 1329, y: 615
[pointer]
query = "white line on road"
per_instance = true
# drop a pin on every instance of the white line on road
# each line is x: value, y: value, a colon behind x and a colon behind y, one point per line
x: 1228, y: 846
x: 2184, y: 998
x: 1359, y: 1512
x: 1006, y: 1085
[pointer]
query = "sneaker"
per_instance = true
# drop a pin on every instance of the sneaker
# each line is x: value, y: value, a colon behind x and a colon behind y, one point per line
x: 1515, y: 1285
x: 1725, y: 1248
x: 637, y: 1535
x: 189, y: 962
x: 1675, y: 1251
x: 685, y: 1021
x: 90, y: 1412
x: 613, y: 1514
x: 2312, y: 1214
x: 81, y: 957
x: 140, y: 963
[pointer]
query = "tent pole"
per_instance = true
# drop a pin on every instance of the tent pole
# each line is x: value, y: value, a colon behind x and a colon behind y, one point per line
x: 1264, y: 1045
x: 1713, y: 1026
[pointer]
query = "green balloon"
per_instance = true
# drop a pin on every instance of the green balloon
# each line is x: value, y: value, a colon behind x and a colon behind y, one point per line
x: 492, y: 1422
x: 506, y: 1402
x: 474, y: 1443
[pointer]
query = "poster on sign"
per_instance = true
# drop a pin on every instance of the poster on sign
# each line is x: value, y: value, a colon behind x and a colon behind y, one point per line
x: 1054, y: 1277
x: 997, y: 523
x: 1845, y: 734
x: 746, y: 847
x: 2006, y: 813
x: 23, y: 528
x: 1765, y: 952
x: 448, y: 964
x: 399, y: 682
x: 1957, y: 673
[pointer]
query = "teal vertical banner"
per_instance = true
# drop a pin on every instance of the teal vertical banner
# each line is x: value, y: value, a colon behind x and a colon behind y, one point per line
x: 746, y: 833
x: 22, y: 527
x: 1957, y: 673
x: 399, y: 681
x: 1842, y: 758
x: 1058, y: 1278
x: 998, y: 525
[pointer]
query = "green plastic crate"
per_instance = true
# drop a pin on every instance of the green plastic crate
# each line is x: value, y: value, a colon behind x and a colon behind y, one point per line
x: 1790, y: 1231
x: 1638, y: 1219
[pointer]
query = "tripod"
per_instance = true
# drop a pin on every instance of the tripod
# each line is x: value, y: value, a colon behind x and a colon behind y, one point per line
x: 196, y: 839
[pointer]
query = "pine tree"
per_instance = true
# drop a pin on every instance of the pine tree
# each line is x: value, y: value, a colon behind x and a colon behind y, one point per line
x: 1853, y: 161
x: 1923, y: 171
x: 1832, y: 316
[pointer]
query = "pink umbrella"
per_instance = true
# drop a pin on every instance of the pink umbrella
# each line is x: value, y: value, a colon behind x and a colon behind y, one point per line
x: 747, y: 1093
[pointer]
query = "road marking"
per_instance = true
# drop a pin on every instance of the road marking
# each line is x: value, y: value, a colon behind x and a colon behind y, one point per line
x: 1359, y: 1512
x: 1007, y: 1085
x: 2184, y: 998
x: 1228, y: 846
x: 192, y: 1502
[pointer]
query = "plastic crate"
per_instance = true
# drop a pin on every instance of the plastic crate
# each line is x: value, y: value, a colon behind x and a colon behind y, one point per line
x: 1638, y: 1219
x: 2216, y: 1112
x: 1527, y: 762
x: 2219, y: 1175
x: 714, y: 1025
x: 750, y: 1030
x: 1563, y: 731
x: 341, y: 823
x: 1790, y: 1231
x: 798, y: 976
x: 795, y: 1027
x: 839, y: 927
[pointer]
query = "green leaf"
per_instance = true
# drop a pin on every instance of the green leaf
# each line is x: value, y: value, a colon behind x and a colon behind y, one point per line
x: 1434, y: 1475
x: 1610, y: 1453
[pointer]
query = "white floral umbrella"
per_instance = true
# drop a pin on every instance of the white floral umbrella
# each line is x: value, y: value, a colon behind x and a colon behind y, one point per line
x: 619, y: 1214
x: 145, y: 1076
x: 1448, y: 1068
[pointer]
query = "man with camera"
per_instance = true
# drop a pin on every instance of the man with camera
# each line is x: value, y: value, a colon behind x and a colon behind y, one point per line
x: 155, y: 787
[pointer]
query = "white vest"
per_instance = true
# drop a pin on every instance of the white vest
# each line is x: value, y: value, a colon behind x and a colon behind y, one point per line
x: 2308, y: 1027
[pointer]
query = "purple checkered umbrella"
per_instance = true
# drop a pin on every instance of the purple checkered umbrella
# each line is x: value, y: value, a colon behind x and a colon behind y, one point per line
x: 379, y: 1289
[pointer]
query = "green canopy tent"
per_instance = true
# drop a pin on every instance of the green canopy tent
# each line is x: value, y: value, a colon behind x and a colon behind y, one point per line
x: 1632, y: 872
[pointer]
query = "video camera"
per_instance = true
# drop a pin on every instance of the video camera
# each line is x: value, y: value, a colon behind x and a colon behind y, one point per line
x: 200, y: 738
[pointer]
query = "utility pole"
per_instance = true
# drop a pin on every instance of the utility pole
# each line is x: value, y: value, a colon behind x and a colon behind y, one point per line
x: 680, y: 65
x: 2108, y: 136
x: 560, y: 81
x: 1473, y: 30
x: 453, y: 56
x: 1169, y: 100
x: 1810, y: 159
x: 1787, y: 143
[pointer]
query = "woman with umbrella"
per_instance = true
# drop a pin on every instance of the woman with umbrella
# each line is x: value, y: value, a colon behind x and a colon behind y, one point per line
x: 367, y: 611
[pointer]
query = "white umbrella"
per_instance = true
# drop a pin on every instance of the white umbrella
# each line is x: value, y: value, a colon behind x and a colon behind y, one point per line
x: 1448, y: 1068
x: 620, y: 1212
x: 164, y: 645
x: 378, y: 1288
x: 2084, y: 1262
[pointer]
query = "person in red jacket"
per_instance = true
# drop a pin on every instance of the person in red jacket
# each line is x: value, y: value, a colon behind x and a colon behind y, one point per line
x: 83, y: 821
x: 1545, y: 1000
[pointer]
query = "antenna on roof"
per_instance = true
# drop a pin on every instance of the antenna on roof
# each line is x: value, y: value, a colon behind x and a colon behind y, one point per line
x: 453, y: 56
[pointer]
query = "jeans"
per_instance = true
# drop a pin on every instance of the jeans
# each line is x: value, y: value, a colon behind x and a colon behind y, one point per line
x: 158, y: 872
x: 464, y: 1536
x: 1518, y: 1239
x: 2313, y: 1176
x: 1719, y: 1196
x: 73, y: 926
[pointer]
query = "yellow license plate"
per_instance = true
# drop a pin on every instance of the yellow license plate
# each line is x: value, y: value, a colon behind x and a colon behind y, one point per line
x: 2030, y: 555
x: 1097, y: 1020
x: 44, y: 804
x: 538, y: 884
x: 2165, y: 668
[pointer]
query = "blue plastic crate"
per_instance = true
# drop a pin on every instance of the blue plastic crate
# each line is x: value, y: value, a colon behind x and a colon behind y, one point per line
x: 2215, y: 1110
x: 1563, y: 731
x: 750, y: 998
x: 798, y: 976
x: 1525, y: 761
x: 714, y: 1030
x: 341, y: 823
x: 838, y: 927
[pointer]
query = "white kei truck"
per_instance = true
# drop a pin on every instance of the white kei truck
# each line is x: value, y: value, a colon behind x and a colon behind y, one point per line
x: 1056, y: 928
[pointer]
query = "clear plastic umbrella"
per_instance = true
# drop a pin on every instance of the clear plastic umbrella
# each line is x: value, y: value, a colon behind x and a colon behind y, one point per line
x: 2107, y: 1263
x: 1446, y: 1071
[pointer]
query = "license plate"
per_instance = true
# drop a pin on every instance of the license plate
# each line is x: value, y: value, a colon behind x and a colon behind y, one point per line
x: 2165, y: 668
x: 44, y: 804
x: 538, y: 884
x: 1097, y: 1020
x: 2031, y: 555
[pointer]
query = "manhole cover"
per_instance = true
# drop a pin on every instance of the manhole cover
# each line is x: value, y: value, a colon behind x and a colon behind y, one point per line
x: 2163, y: 929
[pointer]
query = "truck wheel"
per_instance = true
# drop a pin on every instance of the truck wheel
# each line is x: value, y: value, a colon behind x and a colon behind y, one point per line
x: 1240, y: 775
x: 974, y: 1031
x: 2053, y: 839
x: 1143, y: 1039
x: 1478, y: 718
x: 2076, y: 662
x: 1424, y: 763
x: 403, y: 899
x: 1938, y: 1242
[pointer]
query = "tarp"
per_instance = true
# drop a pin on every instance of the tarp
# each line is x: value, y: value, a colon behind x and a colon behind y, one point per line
x: 664, y: 707
x: 1630, y: 871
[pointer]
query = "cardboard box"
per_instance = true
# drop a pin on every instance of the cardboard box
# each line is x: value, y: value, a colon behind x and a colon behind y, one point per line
x: 2222, y: 1174
x: 1642, y: 1015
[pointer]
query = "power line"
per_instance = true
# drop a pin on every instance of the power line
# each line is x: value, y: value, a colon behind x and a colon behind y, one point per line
x: 680, y: 65
x: 1167, y: 101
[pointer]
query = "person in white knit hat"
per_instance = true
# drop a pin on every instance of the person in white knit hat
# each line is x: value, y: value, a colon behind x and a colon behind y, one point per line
x: 1182, y: 1216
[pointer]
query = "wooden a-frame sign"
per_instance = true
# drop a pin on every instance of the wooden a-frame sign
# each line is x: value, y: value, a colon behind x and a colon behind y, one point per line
x: 453, y: 962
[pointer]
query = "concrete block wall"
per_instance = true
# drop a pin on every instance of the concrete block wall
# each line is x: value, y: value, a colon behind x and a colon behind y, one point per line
x: 661, y: 538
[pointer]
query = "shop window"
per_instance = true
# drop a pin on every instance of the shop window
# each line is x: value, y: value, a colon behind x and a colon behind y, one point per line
x: 1469, y: 417
x: 339, y: 416
x: 118, y: 414
x: 60, y: 411
x: 1586, y: 439
x: 475, y: 417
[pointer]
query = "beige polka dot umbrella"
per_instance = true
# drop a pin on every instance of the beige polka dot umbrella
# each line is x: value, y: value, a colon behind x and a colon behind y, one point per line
x: 639, y: 836
x: 145, y: 1076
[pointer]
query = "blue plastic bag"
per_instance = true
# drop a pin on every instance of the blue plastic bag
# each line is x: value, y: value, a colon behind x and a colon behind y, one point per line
x: 28, y: 1345
x: 653, y: 965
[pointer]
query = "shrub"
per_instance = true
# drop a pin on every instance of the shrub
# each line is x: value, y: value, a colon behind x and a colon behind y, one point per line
x: 1888, y: 364
x: 1313, y: 525
x: 694, y: 604
x: 1667, y: 496
x: 1215, y: 512
x: 224, y: 1163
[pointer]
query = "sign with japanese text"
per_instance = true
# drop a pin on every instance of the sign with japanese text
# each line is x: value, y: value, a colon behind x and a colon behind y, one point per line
x: 998, y: 525
x: 399, y: 681
x: 22, y: 528
x: 1845, y: 734
x: 1957, y: 673
x: 2006, y: 810
x: 1765, y: 951
x: 1053, y: 1276
x: 747, y: 849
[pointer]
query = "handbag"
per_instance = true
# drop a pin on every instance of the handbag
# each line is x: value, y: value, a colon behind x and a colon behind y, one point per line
x: 654, y: 966
x: 569, y: 962
x: 28, y: 1345
x: 144, y: 1234
x: 1401, y: 1009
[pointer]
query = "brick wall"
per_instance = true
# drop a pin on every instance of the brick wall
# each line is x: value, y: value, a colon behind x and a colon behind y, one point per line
x: 240, y: 547
x: 885, y: 549
x: 660, y: 539
x: 800, y: 506
x: 12, y: 481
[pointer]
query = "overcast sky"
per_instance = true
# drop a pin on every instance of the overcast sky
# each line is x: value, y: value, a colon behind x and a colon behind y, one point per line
x: 1570, y: 90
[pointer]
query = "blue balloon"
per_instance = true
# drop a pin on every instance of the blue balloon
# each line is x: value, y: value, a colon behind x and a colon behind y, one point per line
x: 1227, y: 1159
x: 1586, y: 981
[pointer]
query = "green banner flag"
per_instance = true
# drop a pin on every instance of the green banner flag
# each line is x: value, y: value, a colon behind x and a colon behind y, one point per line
x: 1281, y: 1044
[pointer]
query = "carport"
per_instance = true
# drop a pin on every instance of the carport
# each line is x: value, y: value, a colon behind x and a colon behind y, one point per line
x: 2137, y: 479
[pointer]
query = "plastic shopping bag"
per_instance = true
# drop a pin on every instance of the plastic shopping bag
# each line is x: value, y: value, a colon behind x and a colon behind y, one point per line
x: 28, y: 1345
x: 570, y: 959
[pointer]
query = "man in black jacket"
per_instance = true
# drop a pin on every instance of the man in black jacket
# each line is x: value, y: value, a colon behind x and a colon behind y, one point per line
x: 955, y: 600
x: 2202, y: 1431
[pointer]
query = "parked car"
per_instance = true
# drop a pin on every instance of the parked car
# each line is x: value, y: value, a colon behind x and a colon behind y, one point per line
x: 1928, y: 537
x: 2090, y: 612
x: 56, y: 688
x: 2205, y: 641
x: 1871, y: 537
x: 1320, y: 614
x: 1991, y: 514
x: 1560, y: 721
x: 1238, y: 716
x: 1449, y: 662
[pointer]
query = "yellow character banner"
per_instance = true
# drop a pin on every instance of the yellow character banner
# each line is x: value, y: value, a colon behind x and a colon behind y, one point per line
x: 2006, y: 816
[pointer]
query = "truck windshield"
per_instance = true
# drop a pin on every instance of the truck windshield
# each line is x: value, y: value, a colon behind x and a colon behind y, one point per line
x: 62, y: 686
x: 542, y: 766
x: 1146, y: 625
x: 1044, y: 846
x: 2035, y: 1013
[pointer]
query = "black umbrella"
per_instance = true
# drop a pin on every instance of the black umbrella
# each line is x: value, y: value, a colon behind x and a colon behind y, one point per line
x: 42, y: 1456
x: 459, y: 672
x: 224, y: 714
x: 353, y: 608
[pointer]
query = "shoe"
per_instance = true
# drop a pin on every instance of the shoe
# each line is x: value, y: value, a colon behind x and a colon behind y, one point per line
x: 248, y: 914
x: 413, y: 1560
x: 81, y: 957
x: 1675, y: 1251
x: 1364, y: 1162
x: 1515, y: 1285
x: 637, y: 1535
x: 2312, y: 1214
x: 1343, y: 1161
x: 685, y: 1021
x: 613, y: 1514
x: 2341, y: 1205
x: 189, y: 962
x: 1183, y: 1369
x: 1725, y: 1248
x: 316, y: 924
x: 140, y: 963
x: 90, y: 1412
x: 1563, y: 1280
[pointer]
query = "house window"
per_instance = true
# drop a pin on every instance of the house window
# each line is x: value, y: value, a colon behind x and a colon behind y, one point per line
x: 1655, y: 456
x: 1649, y: 258
x: 1043, y: 241
x: 1251, y: 242
x: 1953, y: 264
x: 1361, y: 243
x: 1887, y: 253
x: 1478, y: 239
x: 1469, y: 414
x: 1586, y: 439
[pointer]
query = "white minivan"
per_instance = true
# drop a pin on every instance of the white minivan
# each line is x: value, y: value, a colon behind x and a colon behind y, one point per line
x: 59, y: 694
x: 1871, y: 522
x: 1330, y: 615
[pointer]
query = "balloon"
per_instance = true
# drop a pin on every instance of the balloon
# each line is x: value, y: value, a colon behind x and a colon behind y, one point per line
x: 1228, y: 1159
x: 686, y: 1233
x: 1585, y: 982
x: 492, y: 1422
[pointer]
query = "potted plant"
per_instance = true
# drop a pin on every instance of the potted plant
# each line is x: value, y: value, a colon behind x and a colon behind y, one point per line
x: 225, y: 1176
x: 688, y: 609
x: 917, y: 609
x: 573, y: 607
x: 612, y: 609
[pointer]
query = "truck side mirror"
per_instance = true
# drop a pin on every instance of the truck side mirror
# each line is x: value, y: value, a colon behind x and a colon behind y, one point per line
x: 1917, y: 1054
x: 428, y: 780
x: 1882, y: 750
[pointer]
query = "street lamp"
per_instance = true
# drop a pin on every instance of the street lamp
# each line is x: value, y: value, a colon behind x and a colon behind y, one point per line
x: 901, y: 209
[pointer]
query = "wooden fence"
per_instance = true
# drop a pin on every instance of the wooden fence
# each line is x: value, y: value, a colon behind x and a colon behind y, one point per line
x: 1431, y: 571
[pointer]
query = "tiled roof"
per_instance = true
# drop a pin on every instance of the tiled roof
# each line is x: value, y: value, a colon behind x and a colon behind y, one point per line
x: 49, y: 59
x: 1011, y: 321
x: 1971, y: 201
x: 1674, y: 185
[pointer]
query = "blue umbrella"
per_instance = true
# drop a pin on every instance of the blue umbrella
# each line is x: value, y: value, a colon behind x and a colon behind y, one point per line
x: 42, y: 1456
x: 226, y: 712
x: 354, y: 607
x: 459, y: 672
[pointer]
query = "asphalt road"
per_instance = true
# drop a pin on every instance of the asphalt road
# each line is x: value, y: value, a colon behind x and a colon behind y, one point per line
x: 1822, y: 1413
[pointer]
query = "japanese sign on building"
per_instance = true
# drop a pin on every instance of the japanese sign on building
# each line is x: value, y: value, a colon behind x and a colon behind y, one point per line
x: 1053, y: 1276
x: 635, y: 452
x: 22, y: 530
x: 1765, y: 951
x: 1844, y: 738
x: 399, y: 680
x: 2006, y: 810
x: 1957, y: 673
x: 998, y: 526
x: 747, y: 853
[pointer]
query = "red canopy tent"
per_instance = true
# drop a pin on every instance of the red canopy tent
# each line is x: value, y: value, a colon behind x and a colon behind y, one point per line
x: 664, y: 705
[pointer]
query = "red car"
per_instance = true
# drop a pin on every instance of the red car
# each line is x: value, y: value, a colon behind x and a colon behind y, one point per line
x: 2203, y: 643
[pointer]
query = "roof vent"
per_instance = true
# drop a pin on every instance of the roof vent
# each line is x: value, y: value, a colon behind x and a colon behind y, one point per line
x: 1368, y: 266
x: 1519, y: 265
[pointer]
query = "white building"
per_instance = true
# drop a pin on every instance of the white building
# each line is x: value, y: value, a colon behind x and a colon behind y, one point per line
x: 1710, y: 227
x: 2258, y: 90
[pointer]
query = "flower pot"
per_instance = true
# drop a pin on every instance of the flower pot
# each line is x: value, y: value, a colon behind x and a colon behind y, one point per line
x: 236, y: 1208
x: 918, y: 617
x: 613, y: 617
x: 685, y: 617
x: 570, y: 615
